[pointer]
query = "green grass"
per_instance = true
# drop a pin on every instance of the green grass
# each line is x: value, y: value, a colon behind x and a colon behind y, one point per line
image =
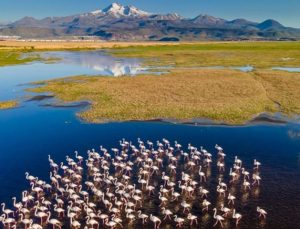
x: 261, y: 55
x: 13, y: 57
x: 8, y: 104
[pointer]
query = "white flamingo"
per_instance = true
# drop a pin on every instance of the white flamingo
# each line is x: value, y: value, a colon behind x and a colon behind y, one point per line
x: 236, y: 216
x: 179, y: 221
x: 218, y: 218
x: 142, y: 216
x: 261, y: 212
x: 205, y: 205
x: 192, y: 219
x: 256, y: 164
x: 256, y: 179
x: 201, y: 174
x: 156, y: 221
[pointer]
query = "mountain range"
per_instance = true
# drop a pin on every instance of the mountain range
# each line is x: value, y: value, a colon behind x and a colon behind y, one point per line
x: 118, y: 22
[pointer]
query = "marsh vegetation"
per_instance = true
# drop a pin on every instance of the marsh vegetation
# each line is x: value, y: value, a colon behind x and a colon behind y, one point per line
x: 8, y: 104
x: 188, y: 91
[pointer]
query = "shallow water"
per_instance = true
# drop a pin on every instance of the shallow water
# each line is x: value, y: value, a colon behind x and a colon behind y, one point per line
x: 286, y: 69
x: 70, y: 64
x: 30, y: 132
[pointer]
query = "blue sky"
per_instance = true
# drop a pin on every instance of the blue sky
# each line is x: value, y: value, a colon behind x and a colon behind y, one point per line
x: 285, y: 11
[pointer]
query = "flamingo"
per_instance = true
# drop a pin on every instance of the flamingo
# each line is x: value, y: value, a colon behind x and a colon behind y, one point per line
x: 29, y: 177
x: 179, y: 221
x: 221, y: 166
x: 246, y: 184
x: 92, y: 222
x: 220, y: 190
x: 167, y: 213
x: 205, y: 205
x: 245, y: 173
x: 156, y: 221
x: 256, y: 179
x: 236, y: 216
x: 261, y: 212
x: 162, y: 199
x: 18, y: 206
x: 201, y: 174
x: 222, y: 184
x: 74, y: 223
x: 193, y: 219
x: 34, y: 225
x: 54, y: 222
x: 131, y: 217
x: 233, y: 175
x: 7, y: 211
x: 40, y: 215
x: 256, y: 164
x: 175, y: 195
x: 203, y: 191
x: 186, y: 206
x: 231, y: 198
x: 237, y: 161
x: 225, y: 210
x: 110, y: 224
x: 218, y: 218
x: 7, y: 221
x: 144, y: 217
x: 219, y: 148
x: 26, y: 222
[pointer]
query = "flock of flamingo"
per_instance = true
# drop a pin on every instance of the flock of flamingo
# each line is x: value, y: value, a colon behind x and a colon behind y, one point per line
x: 153, y: 184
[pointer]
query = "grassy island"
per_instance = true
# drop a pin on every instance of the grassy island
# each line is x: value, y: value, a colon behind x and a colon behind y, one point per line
x: 13, y: 57
x: 224, y: 95
x: 8, y: 104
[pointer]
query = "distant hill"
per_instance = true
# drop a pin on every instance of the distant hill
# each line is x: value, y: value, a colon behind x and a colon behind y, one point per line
x: 118, y: 22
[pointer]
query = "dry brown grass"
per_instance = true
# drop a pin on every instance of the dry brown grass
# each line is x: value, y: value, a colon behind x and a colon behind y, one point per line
x: 223, y: 95
x: 57, y: 45
x: 283, y: 88
x: 8, y: 104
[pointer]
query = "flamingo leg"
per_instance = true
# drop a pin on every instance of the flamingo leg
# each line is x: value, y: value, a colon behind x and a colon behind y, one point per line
x: 221, y: 224
x: 215, y: 223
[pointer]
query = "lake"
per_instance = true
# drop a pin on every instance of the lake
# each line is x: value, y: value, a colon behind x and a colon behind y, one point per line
x: 32, y: 131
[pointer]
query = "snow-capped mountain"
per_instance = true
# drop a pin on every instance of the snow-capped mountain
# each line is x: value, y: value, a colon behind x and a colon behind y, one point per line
x: 118, y: 10
x: 119, y: 22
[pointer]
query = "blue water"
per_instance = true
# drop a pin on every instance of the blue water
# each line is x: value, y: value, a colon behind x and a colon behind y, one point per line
x: 72, y: 63
x: 287, y: 69
x: 30, y: 132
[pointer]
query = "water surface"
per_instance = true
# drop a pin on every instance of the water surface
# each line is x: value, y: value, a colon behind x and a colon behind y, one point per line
x: 32, y: 131
x: 287, y: 69
x: 69, y: 64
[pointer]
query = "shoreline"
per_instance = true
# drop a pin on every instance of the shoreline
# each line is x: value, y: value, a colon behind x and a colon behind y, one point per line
x: 262, y: 118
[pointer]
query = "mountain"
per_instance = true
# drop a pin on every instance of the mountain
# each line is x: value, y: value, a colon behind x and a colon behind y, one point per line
x: 117, y: 10
x: 270, y: 24
x: 119, y: 22
x: 208, y: 20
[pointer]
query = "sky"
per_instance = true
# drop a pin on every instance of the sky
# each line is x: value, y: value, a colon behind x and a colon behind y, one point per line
x: 285, y: 11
